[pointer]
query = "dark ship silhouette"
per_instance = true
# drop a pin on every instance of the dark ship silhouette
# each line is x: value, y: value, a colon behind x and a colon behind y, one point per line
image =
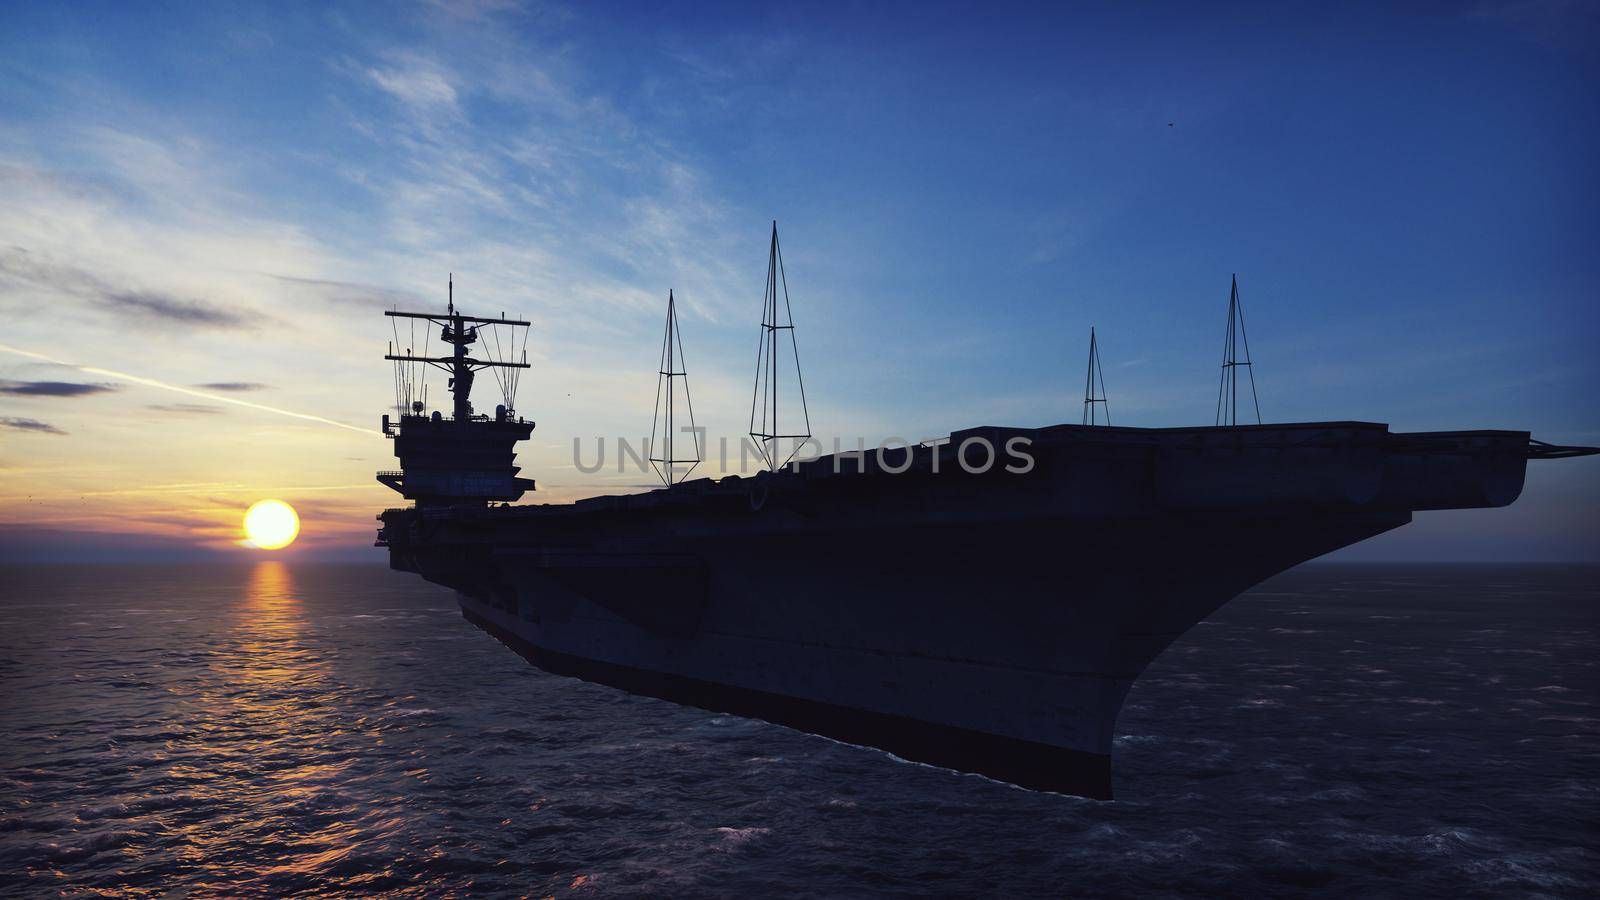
x: 989, y: 620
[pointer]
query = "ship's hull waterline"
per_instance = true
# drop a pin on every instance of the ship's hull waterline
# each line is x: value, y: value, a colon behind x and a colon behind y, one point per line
x: 990, y: 623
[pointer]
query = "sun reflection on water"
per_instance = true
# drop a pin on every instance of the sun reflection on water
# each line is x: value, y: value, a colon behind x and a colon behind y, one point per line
x: 268, y: 623
x: 268, y: 735
x: 270, y: 593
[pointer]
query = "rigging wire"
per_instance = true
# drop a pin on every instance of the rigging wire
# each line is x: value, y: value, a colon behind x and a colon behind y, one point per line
x: 798, y: 376
x: 1248, y: 362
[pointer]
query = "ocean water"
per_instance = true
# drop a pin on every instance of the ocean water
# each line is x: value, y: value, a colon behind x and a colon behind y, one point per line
x: 275, y: 729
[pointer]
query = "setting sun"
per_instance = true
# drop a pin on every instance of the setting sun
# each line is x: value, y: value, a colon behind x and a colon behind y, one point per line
x: 271, y: 525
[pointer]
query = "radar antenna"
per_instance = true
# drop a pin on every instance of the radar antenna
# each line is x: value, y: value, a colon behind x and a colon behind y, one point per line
x: 460, y: 332
x: 672, y: 368
x: 1095, y: 374
x: 764, y: 428
x: 1228, y: 390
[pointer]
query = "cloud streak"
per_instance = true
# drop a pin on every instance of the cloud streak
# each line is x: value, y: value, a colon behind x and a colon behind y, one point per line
x: 29, y: 425
x: 179, y: 389
x: 53, y: 388
x: 233, y: 386
x: 185, y: 408
x: 416, y: 82
x: 164, y: 307
x: 142, y: 305
x: 349, y: 293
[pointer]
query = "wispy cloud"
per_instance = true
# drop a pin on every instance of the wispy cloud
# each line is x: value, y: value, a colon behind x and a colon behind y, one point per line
x: 501, y: 153
x: 233, y: 386
x: 29, y: 425
x: 165, y: 308
x: 155, y: 383
x: 368, y: 296
x: 53, y: 388
x: 137, y: 304
x: 476, y: 9
x: 415, y: 81
x: 185, y: 408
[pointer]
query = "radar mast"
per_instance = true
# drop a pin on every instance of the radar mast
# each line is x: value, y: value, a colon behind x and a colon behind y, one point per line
x: 461, y: 332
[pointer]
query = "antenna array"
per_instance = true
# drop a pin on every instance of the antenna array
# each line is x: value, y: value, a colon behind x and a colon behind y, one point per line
x: 502, y: 348
x: 459, y: 332
x: 410, y: 386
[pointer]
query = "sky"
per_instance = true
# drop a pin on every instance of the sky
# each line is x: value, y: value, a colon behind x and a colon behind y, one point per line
x: 205, y: 208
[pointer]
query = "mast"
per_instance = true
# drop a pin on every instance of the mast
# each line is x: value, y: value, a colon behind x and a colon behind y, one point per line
x: 672, y: 368
x: 1228, y: 390
x: 764, y: 397
x: 461, y: 332
x: 1095, y: 371
x: 772, y: 291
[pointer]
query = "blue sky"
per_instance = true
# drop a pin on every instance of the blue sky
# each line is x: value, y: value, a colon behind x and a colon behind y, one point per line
x: 210, y: 193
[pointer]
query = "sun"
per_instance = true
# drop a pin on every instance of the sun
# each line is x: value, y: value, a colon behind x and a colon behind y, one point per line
x: 271, y: 525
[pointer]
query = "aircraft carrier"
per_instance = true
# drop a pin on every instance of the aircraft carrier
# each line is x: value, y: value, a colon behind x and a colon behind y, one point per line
x: 988, y: 619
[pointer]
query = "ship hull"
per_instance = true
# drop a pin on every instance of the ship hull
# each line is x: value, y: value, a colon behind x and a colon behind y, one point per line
x: 1022, y: 762
x: 982, y: 653
x: 990, y: 624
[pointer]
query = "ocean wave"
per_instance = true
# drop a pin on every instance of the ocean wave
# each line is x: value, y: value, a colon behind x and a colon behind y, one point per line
x: 303, y: 753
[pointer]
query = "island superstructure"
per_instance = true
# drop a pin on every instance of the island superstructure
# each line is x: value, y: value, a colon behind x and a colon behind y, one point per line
x: 988, y: 620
